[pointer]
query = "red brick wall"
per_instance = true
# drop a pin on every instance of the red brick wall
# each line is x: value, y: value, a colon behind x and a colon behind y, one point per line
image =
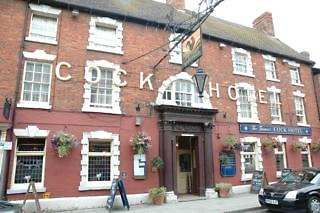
x: 67, y: 100
x: 12, y: 18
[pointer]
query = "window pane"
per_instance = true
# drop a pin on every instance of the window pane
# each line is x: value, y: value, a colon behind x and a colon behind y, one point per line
x: 99, y: 168
x: 37, y: 82
x: 101, y: 93
x: 305, y: 160
x: 279, y: 162
x: 29, y: 163
x: 43, y: 27
x: 105, y: 36
x: 28, y: 168
x: 241, y: 62
x: 245, y: 105
x: 183, y: 93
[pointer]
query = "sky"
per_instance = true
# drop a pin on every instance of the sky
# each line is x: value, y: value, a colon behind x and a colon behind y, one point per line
x: 296, y: 22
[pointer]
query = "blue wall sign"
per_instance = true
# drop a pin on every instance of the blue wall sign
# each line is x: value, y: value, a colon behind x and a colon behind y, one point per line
x: 275, y: 129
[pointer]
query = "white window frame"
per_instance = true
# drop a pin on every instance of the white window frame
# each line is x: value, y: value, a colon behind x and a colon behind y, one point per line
x: 113, y: 47
x: 272, y: 60
x: 257, y: 153
x: 276, y: 92
x: 43, y: 11
x: 114, y: 161
x: 115, y: 109
x: 294, y: 73
x: 252, y: 99
x: 306, y: 141
x: 283, y: 141
x: 28, y: 132
x: 3, y: 137
x: 196, y: 102
x: 249, y: 69
x: 38, y: 56
x: 300, y: 95
x: 176, y: 53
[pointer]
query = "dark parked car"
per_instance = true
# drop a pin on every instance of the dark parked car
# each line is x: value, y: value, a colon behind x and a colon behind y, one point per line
x: 6, y: 207
x: 299, y: 190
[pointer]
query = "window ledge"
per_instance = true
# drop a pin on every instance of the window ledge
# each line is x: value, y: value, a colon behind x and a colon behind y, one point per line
x: 89, y: 186
x: 273, y: 79
x: 278, y: 122
x: 303, y: 124
x: 246, y: 178
x: 46, y: 41
x: 34, y: 105
x: 247, y: 120
x: 299, y: 85
x: 244, y: 74
x: 105, y: 49
x: 22, y: 190
x: 101, y: 110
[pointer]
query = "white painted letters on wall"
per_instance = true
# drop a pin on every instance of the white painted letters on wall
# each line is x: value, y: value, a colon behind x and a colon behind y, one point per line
x: 261, y: 96
x: 117, y: 80
x: 216, y: 89
x: 230, y: 89
x: 58, y: 75
x: 146, y: 80
x: 89, y: 74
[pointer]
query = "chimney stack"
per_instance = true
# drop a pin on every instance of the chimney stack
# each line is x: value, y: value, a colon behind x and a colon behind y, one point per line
x: 264, y: 23
x: 178, y: 4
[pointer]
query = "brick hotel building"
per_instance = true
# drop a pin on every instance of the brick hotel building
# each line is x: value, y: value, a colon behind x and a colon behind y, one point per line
x: 80, y: 67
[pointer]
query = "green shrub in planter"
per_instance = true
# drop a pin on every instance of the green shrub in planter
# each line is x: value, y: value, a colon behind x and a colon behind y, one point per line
x: 157, y: 162
x: 223, y: 189
x: 223, y: 185
x: 157, y: 195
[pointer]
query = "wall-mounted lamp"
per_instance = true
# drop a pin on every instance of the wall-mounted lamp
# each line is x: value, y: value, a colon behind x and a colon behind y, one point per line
x: 138, y: 117
x: 200, y: 79
x: 75, y: 13
x: 6, y: 108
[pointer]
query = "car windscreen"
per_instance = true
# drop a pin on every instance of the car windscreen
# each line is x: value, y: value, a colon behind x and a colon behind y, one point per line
x: 299, y: 177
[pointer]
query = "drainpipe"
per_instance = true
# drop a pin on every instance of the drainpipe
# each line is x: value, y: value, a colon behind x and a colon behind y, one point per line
x: 7, y: 154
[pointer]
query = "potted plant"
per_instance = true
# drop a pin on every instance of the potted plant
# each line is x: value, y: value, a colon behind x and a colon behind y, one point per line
x: 140, y: 143
x: 223, y: 189
x: 63, y: 142
x: 298, y: 145
x: 269, y: 144
x: 229, y: 143
x: 315, y: 147
x: 157, y: 195
x: 156, y: 163
x: 223, y: 159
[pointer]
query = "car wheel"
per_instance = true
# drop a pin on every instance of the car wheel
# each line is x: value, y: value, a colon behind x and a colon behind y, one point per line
x: 313, y: 204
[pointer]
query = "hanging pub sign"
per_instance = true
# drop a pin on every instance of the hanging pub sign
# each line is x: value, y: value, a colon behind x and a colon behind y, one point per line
x: 191, y: 48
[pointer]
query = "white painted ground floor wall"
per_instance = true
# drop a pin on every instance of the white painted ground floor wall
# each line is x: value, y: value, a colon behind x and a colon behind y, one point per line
x: 73, y: 203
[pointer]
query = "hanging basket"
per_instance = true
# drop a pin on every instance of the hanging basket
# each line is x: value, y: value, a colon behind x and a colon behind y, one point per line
x: 63, y: 143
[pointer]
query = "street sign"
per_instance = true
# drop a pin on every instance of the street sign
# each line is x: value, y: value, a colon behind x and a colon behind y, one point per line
x: 5, y: 145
